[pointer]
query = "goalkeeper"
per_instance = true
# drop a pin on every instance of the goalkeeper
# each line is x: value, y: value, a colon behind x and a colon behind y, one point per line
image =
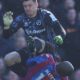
x: 40, y: 27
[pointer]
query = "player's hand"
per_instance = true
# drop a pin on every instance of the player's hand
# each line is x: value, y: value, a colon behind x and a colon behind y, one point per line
x: 58, y: 40
x: 7, y: 19
x: 30, y: 43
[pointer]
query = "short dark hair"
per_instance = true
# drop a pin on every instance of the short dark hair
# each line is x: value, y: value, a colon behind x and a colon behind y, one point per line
x: 28, y: 0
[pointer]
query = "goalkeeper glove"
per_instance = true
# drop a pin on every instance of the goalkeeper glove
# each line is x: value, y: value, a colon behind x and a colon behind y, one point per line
x: 7, y: 19
x: 58, y: 40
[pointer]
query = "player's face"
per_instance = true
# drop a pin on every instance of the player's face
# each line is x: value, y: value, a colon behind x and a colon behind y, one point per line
x: 30, y: 7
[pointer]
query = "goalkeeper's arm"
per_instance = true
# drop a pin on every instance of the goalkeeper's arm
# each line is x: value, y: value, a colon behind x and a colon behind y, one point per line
x: 10, y: 26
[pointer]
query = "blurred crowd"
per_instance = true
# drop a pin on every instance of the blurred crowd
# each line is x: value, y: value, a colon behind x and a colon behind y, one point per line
x: 67, y: 12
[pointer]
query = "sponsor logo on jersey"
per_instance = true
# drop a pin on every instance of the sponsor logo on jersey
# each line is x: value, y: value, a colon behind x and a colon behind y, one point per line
x: 35, y: 31
x: 38, y: 22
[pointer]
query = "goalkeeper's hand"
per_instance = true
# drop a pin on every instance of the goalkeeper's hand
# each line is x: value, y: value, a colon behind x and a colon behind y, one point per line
x: 58, y: 40
x: 7, y: 19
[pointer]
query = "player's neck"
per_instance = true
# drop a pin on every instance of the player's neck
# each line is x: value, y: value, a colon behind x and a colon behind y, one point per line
x: 33, y: 15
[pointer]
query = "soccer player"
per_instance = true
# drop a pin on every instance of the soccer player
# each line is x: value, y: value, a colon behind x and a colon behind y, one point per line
x: 40, y: 27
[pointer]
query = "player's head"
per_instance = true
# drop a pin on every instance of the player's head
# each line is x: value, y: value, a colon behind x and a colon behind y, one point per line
x: 30, y: 7
x: 65, y: 68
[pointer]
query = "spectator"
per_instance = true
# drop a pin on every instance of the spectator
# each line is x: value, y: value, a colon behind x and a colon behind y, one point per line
x: 3, y: 70
x: 13, y: 76
x: 5, y: 74
x: 76, y: 75
x: 69, y: 4
x: 20, y: 42
x: 44, y: 4
x: 77, y: 5
x: 2, y: 67
x: 72, y: 46
x: 79, y: 16
x: 5, y: 46
x: 61, y: 9
x: 13, y: 5
x: 1, y: 13
x: 71, y: 18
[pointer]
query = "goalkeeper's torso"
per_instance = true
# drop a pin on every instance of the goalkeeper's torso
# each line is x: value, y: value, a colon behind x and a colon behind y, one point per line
x: 37, y: 26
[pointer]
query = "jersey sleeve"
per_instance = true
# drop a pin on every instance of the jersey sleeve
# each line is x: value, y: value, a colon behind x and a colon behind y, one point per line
x: 53, y: 22
x: 16, y: 24
x: 51, y: 16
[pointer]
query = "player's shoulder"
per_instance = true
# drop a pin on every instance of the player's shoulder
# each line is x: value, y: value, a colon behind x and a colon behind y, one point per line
x: 49, y: 14
x: 20, y: 17
x: 44, y: 11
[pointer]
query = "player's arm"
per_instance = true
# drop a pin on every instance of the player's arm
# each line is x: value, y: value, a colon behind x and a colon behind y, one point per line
x: 58, y: 28
x: 52, y: 21
x: 60, y: 32
x: 10, y: 26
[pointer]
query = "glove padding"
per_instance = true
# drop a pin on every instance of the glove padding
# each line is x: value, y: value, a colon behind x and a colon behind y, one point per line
x: 7, y: 19
x: 58, y: 40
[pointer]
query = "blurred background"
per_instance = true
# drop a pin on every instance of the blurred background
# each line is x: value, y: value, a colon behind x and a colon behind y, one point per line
x: 67, y: 12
